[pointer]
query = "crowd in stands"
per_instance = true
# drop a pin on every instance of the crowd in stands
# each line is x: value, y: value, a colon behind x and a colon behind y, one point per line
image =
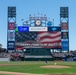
x: 62, y: 54
x: 5, y: 54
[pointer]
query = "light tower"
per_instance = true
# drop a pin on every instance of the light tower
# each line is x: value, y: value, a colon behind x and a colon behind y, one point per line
x: 11, y: 28
x: 64, y: 23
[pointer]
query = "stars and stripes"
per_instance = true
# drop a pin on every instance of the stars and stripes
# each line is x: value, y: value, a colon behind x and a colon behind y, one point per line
x: 45, y: 39
x: 53, y: 39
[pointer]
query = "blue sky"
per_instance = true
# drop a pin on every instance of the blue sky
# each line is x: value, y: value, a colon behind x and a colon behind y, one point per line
x: 49, y: 7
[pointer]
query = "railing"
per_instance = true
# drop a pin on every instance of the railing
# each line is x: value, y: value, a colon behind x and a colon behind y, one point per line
x: 38, y: 56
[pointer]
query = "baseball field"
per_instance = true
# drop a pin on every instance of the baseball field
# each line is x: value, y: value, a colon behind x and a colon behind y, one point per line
x: 38, y: 68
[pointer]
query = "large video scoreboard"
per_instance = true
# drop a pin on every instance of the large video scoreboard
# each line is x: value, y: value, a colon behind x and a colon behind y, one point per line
x: 38, y: 37
x: 38, y: 32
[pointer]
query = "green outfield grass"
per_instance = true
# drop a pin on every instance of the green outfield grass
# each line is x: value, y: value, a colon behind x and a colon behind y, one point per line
x: 34, y: 67
x: 4, y: 74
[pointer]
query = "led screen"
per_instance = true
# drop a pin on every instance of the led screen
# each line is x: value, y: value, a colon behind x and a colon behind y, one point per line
x: 65, y: 45
x: 46, y: 39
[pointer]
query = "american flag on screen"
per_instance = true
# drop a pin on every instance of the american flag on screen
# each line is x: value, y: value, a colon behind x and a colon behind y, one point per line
x: 53, y: 39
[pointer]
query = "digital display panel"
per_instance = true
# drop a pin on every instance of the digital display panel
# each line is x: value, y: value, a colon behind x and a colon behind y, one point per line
x: 38, y: 37
x: 10, y: 45
x: 11, y: 35
x: 48, y: 39
x: 64, y: 35
x: 11, y: 25
x: 65, y: 45
x: 64, y: 26
x: 22, y: 29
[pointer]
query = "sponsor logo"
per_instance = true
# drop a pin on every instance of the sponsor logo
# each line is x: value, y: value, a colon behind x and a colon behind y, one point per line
x: 37, y: 28
x: 23, y: 29
x: 49, y: 24
x: 54, y: 29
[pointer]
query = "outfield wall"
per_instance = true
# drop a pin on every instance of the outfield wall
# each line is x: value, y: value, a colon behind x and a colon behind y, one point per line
x: 4, y: 59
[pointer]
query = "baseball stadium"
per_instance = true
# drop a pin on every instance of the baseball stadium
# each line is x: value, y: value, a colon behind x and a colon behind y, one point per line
x: 38, y: 39
x: 37, y: 47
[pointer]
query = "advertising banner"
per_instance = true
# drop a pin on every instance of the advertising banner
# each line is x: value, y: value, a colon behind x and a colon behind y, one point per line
x: 11, y: 35
x: 65, y: 45
x: 11, y: 25
x: 64, y: 35
x: 38, y: 29
x: 22, y: 29
x: 10, y: 45
x: 54, y: 28
x: 64, y: 26
x: 35, y: 18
